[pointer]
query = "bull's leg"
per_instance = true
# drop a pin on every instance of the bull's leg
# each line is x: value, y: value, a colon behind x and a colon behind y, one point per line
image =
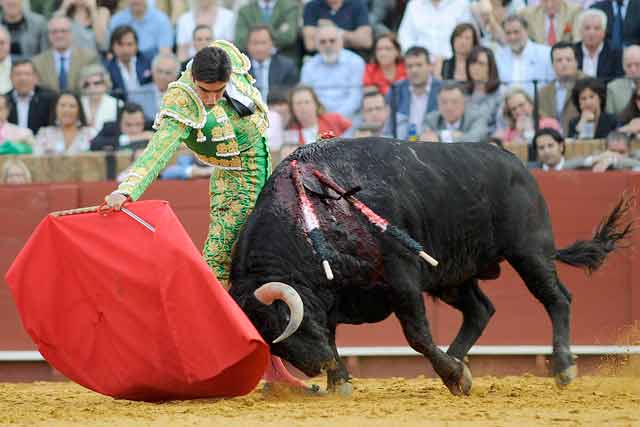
x: 338, y: 378
x: 476, y: 310
x: 408, y: 306
x: 540, y: 276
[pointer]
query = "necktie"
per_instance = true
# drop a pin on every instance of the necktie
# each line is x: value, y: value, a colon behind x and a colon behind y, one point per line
x: 616, y: 29
x: 62, y: 74
x: 266, y: 12
x: 551, y: 35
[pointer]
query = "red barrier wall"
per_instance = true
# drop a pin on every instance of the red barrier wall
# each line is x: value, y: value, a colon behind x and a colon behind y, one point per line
x: 603, y: 306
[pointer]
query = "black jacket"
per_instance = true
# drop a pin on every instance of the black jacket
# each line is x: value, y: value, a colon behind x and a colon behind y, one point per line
x: 609, y: 62
x: 40, y: 108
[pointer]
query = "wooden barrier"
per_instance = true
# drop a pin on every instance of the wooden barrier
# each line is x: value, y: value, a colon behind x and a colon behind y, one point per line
x: 573, y: 148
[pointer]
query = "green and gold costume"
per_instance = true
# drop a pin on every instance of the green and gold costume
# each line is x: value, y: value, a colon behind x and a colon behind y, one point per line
x: 220, y: 137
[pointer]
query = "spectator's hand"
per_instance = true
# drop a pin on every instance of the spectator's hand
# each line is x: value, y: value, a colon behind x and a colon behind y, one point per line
x: 587, y: 116
x: 523, y: 124
x: 602, y: 165
x: 456, y: 134
x: 115, y: 200
x: 429, y: 136
x: 143, y: 136
x: 632, y: 127
x: 323, y: 21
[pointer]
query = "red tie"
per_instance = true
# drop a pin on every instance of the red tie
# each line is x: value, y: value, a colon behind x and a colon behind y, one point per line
x: 551, y: 35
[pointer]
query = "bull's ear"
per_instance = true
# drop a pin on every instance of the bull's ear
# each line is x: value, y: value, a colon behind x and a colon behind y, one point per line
x: 269, y: 292
x: 313, y: 186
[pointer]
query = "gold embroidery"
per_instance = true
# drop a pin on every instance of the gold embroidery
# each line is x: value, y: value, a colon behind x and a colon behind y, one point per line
x: 232, y: 163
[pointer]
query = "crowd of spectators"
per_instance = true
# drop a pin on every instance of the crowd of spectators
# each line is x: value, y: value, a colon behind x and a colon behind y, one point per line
x: 81, y: 75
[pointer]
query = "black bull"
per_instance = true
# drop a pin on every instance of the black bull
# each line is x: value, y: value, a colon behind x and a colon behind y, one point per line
x: 471, y: 206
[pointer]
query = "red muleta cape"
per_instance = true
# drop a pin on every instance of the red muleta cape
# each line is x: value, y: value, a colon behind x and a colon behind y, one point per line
x: 130, y: 313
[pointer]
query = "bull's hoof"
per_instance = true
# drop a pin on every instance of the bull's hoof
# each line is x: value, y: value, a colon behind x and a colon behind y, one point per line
x: 345, y: 389
x: 463, y: 386
x: 565, y: 377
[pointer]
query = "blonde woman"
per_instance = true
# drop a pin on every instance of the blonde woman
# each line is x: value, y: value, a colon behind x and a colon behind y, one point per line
x: 98, y: 106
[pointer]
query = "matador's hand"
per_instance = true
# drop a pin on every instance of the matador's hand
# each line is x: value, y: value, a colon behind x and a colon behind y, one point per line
x: 115, y: 200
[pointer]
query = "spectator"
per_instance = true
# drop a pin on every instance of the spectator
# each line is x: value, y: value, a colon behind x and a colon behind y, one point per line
x: 518, y: 113
x: 623, y: 21
x: 487, y: 17
x: 620, y: 90
x: 430, y: 23
x: 615, y: 157
x: 5, y: 60
x: 205, y: 12
x: 334, y: 73
x: 271, y: 70
x: 153, y: 28
x: 463, y: 39
x: 187, y: 166
x: 69, y: 134
x: 15, y: 172
x: 552, y: 21
x: 453, y: 122
x: 549, y: 145
x: 28, y: 30
x: 278, y: 101
x: 58, y: 68
x: 379, y: 14
x: 31, y: 104
x: 129, y: 132
x: 522, y: 61
x: 202, y: 37
x: 386, y: 65
x: 281, y: 16
x: 9, y: 131
x: 164, y: 70
x: 97, y: 105
x: 411, y: 99
x: 596, y: 57
x: 555, y: 97
x: 589, y: 96
x: 630, y: 116
x: 309, y: 118
x: 484, y: 84
x: 351, y: 16
x: 90, y: 23
x: 375, y: 114
x: 278, y: 119
x: 128, y: 68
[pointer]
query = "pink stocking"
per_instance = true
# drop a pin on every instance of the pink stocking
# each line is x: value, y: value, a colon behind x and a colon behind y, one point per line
x: 277, y: 373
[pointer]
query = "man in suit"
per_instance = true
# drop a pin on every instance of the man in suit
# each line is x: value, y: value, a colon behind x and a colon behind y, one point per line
x: 164, y: 70
x: 271, y: 70
x: 453, y: 122
x: 414, y: 97
x: 596, y: 57
x: 623, y: 21
x: 30, y: 104
x: 620, y: 90
x: 281, y: 16
x: 27, y: 29
x: 128, y: 68
x: 202, y: 37
x: 555, y: 97
x: 521, y: 60
x: 131, y: 131
x: 552, y: 21
x: 59, y: 68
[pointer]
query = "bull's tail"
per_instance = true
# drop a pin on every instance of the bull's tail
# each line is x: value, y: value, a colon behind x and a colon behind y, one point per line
x: 609, y: 236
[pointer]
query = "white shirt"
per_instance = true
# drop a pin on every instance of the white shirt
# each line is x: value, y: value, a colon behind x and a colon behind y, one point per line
x: 129, y: 75
x: 5, y: 75
x: 262, y: 76
x: 590, y: 64
x: 22, y: 108
x: 428, y: 25
x: 418, y: 107
x: 517, y: 73
x: 452, y: 126
x: 224, y: 27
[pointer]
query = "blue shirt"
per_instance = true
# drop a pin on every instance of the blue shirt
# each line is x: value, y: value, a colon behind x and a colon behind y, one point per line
x: 154, y: 30
x: 351, y: 15
x: 338, y: 85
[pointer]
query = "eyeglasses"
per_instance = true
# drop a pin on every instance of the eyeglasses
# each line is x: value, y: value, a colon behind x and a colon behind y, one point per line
x: 327, y: 41
x: 88, y: 84
x: 60, y: 31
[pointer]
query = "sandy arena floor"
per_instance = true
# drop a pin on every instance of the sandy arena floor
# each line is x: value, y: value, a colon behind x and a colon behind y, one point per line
x: 511, y: 401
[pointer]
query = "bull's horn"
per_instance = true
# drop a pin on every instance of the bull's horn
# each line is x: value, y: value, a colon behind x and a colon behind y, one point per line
x: 269, y: 292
